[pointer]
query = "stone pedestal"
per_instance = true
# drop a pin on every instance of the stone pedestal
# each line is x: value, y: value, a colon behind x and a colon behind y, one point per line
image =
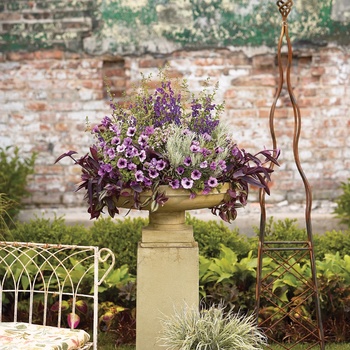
x: 167, y: 274
x: 167, y: 265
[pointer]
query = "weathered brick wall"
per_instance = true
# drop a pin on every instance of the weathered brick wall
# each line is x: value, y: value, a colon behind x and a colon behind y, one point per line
x: 54, y: 55
x: 36, y: 24
x: 46, y: 95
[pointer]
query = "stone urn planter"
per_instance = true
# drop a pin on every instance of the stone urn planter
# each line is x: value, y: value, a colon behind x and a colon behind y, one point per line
x: 167, y: 262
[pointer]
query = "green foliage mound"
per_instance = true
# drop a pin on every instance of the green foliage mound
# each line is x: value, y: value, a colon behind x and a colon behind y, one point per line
x: 342, y: 210
x: 210, y: 234
x: 121, y: 236
x: 42, y: 230
x: 14, y: 172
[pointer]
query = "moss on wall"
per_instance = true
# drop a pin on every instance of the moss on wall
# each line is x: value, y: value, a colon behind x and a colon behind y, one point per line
x: 161, y: 25
x: 139, y: 26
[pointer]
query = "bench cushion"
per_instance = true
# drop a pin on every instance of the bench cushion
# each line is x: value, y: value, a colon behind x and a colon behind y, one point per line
x: 18, y: 335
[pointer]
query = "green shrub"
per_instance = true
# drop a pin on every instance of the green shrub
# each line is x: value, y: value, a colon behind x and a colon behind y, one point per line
x: 228, y: 279
x: 14, y: 171
x: 5, y: 204
x: 284, y: 230
x: 332, y: 242
x: 42, y: 230
x: 210, y: 234
x: 342, y: 210
x: 121, y: 236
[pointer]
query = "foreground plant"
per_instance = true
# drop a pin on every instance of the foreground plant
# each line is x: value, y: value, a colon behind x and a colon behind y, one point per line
x: 167, y: 137
x: 210, y: 329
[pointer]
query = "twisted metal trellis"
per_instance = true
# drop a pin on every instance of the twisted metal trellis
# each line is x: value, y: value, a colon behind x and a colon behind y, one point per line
x: 277, y: 312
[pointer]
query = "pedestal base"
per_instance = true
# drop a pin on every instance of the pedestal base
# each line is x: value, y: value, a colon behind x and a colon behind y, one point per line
x: 167, y: 275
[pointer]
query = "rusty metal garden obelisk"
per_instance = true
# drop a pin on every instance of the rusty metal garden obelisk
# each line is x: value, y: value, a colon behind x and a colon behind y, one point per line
x: 291, y: 263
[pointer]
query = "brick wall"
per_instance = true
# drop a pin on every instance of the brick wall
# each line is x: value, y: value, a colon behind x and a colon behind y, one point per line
x: 45, y: 97
x: 36, y: 24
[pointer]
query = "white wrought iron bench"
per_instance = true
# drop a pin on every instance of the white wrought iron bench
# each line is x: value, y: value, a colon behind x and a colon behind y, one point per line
x: 40, y: 285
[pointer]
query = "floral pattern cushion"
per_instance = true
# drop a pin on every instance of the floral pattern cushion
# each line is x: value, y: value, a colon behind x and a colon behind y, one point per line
x: 16, y: 336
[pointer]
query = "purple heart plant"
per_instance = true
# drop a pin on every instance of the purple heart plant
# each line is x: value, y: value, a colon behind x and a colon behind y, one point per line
x: 167, y: 136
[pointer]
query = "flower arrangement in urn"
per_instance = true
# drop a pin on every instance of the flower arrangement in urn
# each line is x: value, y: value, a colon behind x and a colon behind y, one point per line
x: 167, y: 136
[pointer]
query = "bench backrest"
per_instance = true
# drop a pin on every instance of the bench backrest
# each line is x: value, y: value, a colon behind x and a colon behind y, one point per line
x: 43, y: 283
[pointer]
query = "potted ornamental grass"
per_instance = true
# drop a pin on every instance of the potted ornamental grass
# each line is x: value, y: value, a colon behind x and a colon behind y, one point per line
x: 162, y: 142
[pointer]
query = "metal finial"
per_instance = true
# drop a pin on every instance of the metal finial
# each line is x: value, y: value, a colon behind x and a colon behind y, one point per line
x: 284, y: 6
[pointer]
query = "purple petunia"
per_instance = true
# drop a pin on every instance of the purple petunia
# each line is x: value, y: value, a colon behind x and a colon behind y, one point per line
x: 206, y: 137
x: 132, y: 166
x: 175, y: 184
x: 143, y: 140
x: 153, y: 173
x: 122, y: 163
x: 131, y: 131
x: 213, y: 165
x: 204, y: 164
x: 147, y: 182
x: 111, y: 153
x: 196, y: 175
x: 160, y: 164
x: 115, y: 129
x: 115, y: 140
x: 121, y: 148
x: 149, y: 130
x: 142, y: 155
x: 206, y: 152
x: 187, y: 161
x: 139, y: 176
x: 104, y: 168
x: 222, y: 165
x: 127, y: 141
x: 131, y: 151
x: 212, y: 182
x: 195, y: 148
x: 186, y: 183
x: 180, y: 170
